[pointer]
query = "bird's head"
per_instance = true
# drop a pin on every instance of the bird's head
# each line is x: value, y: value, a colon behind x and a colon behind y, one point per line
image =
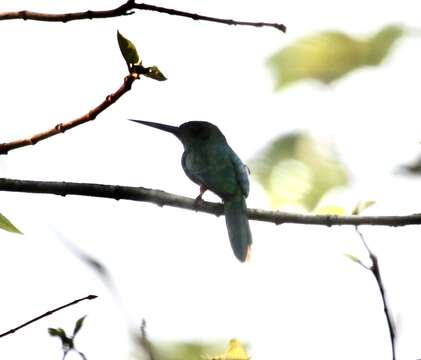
x: 190, y: 133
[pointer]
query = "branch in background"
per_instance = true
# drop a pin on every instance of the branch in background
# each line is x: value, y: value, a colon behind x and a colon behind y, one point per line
x: 48, y: 313
x: 145, y: 342
x: 162, y: 198
x: 127, y: 9
x: 374, y: 268
x: 62, y: 127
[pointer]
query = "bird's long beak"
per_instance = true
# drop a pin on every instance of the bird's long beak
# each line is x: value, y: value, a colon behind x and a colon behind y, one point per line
x: 168, y: 128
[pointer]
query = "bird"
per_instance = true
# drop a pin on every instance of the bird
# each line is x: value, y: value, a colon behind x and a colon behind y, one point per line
x: 210, y: 162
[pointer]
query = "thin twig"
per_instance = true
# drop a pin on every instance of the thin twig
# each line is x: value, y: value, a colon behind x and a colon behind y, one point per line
x: 48, y: 313
x: 374, y: 268
x: 162, y: 198
x: 127, y: 9
x: 62, y: 127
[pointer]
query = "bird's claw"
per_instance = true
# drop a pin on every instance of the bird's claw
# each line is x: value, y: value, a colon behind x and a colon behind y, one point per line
x: 199, y: 198
x: 198, y: 201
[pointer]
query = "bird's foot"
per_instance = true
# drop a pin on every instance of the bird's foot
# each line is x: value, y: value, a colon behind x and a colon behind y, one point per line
x: 199, y: 198
x: 198, y: 201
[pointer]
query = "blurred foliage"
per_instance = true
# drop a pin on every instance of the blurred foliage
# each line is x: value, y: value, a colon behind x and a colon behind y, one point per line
x: 361, y: 206
x: 328, y: 56
x: 185, y: 350
x: 200, y: 351
x: 234, y: 351
x: 412, y: 168
x: 353, y: 258
x: 5, y: 224
x: 296, y: 171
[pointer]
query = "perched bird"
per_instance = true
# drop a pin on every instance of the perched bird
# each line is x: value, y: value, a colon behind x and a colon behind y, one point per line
x: 210, y: 162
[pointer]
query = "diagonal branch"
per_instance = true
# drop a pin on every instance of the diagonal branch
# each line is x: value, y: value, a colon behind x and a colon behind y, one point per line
x: 48, y: 313
x: 62, y: 127
x: 162, y: 198
x: 375, y: 270
x: 127, y: 9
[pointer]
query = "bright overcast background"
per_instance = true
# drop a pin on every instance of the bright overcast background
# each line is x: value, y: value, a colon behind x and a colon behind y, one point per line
x: 299, y: 297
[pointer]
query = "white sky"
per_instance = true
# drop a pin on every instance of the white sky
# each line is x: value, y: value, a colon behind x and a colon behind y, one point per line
x: 299, y: 297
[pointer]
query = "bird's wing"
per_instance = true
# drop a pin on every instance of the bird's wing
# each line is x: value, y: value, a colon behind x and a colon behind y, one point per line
x: 212, y: 168
x: 241, y: 173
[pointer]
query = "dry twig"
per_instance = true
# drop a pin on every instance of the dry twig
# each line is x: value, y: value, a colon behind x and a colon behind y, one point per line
x: 128, y: 9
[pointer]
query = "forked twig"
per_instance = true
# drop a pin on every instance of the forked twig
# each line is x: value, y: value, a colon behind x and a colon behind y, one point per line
x: 374, y: 269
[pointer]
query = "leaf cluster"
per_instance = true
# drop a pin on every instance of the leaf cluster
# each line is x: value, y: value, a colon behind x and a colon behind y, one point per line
x: 67, y: 342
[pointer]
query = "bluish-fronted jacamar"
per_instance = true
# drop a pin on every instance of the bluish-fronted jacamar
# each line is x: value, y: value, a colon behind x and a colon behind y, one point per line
x: 210, y: 162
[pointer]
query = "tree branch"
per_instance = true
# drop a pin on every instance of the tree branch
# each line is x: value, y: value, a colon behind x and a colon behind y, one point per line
x: 127, y: 9
x: 62, y: 127
x: 162, y: 198
x: 375, y: 270
x: 48, y: 313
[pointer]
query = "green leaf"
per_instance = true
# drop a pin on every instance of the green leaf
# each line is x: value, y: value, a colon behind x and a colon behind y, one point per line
x: 361, y: 206
x: 154, y: 73
x: 328, y: 56
x: 5, y: 224
x: 128, y: 50
x: 296, y: 171
x: 66, y: 342
x: 78, y: 325
x: 59, y: 332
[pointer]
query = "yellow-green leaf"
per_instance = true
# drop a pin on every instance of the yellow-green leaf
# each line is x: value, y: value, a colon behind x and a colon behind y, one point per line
x: 361, y: 206
x: 329, y: 55
x: 330, y: 210
x: 5, y: 224
x: 234, y: 351
x: 154, y: 73
x: 128, y: 50
x: 295, y: 170
x: 183, y: 350
x: 353, y: 258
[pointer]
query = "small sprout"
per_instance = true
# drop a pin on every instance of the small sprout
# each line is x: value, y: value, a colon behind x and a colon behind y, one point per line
x: 134, y: 64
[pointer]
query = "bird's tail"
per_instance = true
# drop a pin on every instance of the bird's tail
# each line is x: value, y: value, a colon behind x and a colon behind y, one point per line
x: 238, y: 226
